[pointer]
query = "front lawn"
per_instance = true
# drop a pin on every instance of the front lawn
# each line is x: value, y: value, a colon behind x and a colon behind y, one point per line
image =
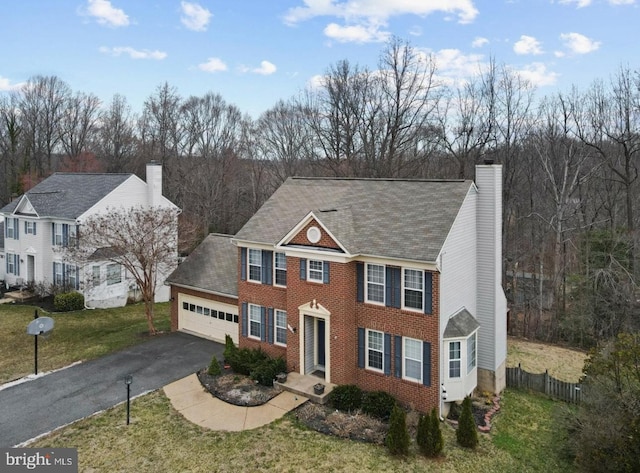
x: 160, y: 440
x: 79, y: 335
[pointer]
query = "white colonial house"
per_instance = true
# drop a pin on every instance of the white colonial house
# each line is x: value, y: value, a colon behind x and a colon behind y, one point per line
x: 42, y: 222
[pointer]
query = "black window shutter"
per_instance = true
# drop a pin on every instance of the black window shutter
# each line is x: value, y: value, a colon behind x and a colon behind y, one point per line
x: 267, y: 267
x: 25, y: 227
x: 325, y: 272
x: 426, y: 363
x: 245, y: 318
x: 6, y: 227
x: 360, y: 347
x: 65, y: 234
x: 16, y: 228
x: 272, y: 328
x: 243, y: 264
x: 360, y: 281
x: 17, y: 264
x: 77, y: 278
x: 397, y: 372
x: 387, y: 354
x: 53, y: 233
x: 34, y: 228
x: 303, y: 269
x: 263, y: 324
x: 388, y: 286
x: 428, y: 293
x: 397, y: 287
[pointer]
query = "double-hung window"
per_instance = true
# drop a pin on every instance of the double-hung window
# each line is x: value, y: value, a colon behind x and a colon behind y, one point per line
x: 471, y: 353
x: 413, y: 288
x: 72, y: 276
x: 375, y: 283
x: 375, y: 350
x: 280, y: 265
x: 255, y: 265
x: 255, y: 321
x: 280, y: 328
x: 114, y: 274
x: 315, y: 270
x: 454, y: 359
x: 58, y: 239
x: 11, y: 230
x: 11, y: 263
x: 413, y: 360
x: 95, y: 275
x: 29, y: 227
x: 58, y: 276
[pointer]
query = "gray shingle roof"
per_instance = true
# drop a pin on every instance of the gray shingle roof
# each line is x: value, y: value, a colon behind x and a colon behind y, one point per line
x: 69, y: 195
x: 461, y: 325
x: 212, y: 266
x: 396, y: 218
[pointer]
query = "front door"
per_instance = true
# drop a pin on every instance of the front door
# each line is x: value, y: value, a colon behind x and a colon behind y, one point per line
x: 314, y: 346
x: 31, y: 265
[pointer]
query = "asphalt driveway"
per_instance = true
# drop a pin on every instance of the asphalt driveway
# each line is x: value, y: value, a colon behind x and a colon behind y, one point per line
x: 35, y: 407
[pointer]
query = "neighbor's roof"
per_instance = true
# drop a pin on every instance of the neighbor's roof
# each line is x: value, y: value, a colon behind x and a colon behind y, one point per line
x: 212, y: 266
x: 69, y: 195
x: 396, y: 218
x: 461, y: 325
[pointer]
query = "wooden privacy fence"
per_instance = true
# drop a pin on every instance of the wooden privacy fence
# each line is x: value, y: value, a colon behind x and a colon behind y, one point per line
x: 543, y: 383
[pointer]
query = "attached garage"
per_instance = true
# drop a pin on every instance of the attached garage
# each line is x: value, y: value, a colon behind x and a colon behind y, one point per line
x: 207, y: 318
x: 204, y: 290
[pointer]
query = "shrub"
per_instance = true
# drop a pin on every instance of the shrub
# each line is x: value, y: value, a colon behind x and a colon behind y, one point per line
x: 245, y: 359
x: 347, y: 397
x: 266, y: 370
x: 429, y: 437
x: 230, y: 348
x: 214, y: 367
x: 378, y: 404
x: 68, y: 301
x: 397, y: 440
x: 467, y: 433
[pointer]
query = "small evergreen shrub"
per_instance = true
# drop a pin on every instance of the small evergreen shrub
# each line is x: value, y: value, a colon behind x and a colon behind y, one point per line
x: 429, y: 437
x: 230, y: 348
x: 68, y: 301
x: 397, y: 440
x: 378, y: 404
x: 266, y: 370
x: 346, y: 397
x: 214, y: 367
x: 467, y: 433
x: 245, y: 359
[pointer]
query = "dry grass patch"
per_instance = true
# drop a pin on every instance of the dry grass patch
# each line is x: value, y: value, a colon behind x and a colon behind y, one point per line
x: 563, y: 363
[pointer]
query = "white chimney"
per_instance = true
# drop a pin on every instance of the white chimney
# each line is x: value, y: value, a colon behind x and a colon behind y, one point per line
x: 154, y: 184
x: 491, y: 301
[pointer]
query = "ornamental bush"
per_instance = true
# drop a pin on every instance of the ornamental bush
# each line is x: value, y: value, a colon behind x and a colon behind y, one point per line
x: 265, y: 371
x: 378, y: 404
x: 429, y: 437
x: 214, y: 367
x: 230, y: 348
x: 397, y: 440
x: 467, y: 433
x: 346, y: 397
x: 68, y: 301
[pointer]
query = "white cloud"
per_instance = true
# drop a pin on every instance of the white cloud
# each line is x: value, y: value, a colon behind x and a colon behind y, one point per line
x: 356, y: 33
x: 456, y: 66
x: 7, y: 86
x: 622, y: 2
x: 578, y: 43
x: 527, y: 45
x: 134, y: 53
x: 364, y: 18
x: 415, y: 31
x: 538, y: 75
x: 579, y: 3
x: 213, y: 64
x: 107, y: 14
x: 194, y: 16
x: 479, y: 41
x: 266, y: 68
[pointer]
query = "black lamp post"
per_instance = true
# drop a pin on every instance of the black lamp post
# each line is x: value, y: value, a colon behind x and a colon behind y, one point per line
x: 128, y: 379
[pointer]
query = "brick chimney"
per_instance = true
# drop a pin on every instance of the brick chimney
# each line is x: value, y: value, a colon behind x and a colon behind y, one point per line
x: 491, y: 301
x: 154, y: 184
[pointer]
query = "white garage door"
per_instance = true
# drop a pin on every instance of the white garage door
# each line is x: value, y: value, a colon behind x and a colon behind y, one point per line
x: 208, y: 318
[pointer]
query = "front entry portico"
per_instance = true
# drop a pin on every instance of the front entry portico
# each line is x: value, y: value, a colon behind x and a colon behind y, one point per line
x: 314, y: 341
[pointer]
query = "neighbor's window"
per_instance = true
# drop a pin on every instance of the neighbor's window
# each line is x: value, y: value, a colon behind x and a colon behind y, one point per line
x: 454, y: 359
x: 11, y: 263
x: 375, y: 283
x: 95, y: 275
x: 255, y: 265
x: 315, y: 270
x: 413, y: 288
x: 73, y: 235
x: 10, y: 227
x: 30, y: 227
x: 255, y: 321
x: 280, y: 327
x: 57, y: 234
x: 413, y: 359
x: 72, y: 275
x: 57, y: 274
x: 114, y: 275
x: 471, y: 352
x: 375, y: 350
x: 280, y: 269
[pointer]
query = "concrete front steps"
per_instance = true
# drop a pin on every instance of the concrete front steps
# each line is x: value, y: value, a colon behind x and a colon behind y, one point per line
x: 303, y: 385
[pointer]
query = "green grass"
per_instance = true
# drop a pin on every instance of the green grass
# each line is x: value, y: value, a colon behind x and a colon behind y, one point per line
x: 79, y: 335
x: 160, y: 440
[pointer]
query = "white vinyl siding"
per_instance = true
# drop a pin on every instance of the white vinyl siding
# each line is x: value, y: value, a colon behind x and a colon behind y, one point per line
x: 375, y: 283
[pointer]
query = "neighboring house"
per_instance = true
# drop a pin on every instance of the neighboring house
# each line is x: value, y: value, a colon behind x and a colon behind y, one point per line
x: 389, y: 284
x: 48, y: 218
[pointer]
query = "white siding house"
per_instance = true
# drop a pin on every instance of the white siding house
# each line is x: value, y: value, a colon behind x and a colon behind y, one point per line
x: 49, y: 217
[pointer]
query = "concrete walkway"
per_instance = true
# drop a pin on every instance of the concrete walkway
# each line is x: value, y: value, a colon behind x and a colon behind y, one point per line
x: 188, y: 396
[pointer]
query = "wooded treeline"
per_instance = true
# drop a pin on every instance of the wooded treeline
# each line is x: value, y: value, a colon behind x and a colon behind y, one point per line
x: 570, y: 164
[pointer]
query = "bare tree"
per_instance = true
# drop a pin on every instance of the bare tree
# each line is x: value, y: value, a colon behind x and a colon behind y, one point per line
x: 11, y: 146
x: 78, y: 123
x: 116, y: 140
x: 142, y: 240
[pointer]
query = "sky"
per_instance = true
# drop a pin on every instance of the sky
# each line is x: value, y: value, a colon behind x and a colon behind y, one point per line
x: 256, y: 52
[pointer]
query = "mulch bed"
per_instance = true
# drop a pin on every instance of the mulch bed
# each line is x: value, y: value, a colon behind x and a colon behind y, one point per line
x: 237, y: 389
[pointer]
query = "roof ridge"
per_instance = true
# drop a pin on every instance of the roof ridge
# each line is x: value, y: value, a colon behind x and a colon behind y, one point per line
x: 377, y: 179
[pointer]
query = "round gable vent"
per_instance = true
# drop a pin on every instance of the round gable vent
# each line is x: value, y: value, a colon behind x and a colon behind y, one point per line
x: 313, y: 234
